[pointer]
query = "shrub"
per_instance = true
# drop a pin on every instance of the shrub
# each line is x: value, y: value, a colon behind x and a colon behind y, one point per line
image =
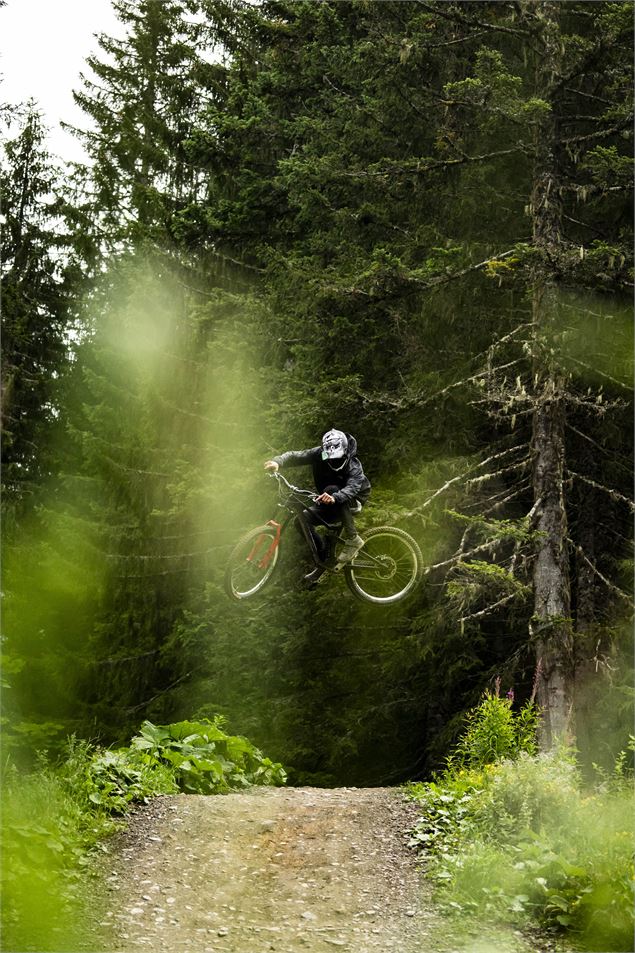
x: 46, y: 836
x: 53, y: 818
x: 494, y: 731
x: 194, y: 757
x: 519, y: 839
x: 534, y: 844
x: 204, y: 759
x: 115, y: 779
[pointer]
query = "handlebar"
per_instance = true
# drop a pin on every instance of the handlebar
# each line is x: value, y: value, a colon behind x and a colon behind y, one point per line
x: 291, y: 487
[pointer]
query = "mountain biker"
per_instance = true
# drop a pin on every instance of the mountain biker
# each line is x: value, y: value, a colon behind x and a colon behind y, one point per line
x: 343, y: 488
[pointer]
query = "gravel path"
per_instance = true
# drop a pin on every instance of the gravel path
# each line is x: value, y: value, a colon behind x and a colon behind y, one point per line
x: 299, y: 870
x: 293, y: 870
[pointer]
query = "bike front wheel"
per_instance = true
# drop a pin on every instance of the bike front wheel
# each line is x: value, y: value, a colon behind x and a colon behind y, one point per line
x: 252, y: 562
x: 387, y: 568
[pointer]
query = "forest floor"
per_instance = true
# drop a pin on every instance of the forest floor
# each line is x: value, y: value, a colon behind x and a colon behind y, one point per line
x: 292, y: 870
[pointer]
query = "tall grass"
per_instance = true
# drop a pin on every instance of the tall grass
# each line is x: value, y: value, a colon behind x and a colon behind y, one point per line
x: 519, y: 839
x: 57, y: 818
x: 47, y: 837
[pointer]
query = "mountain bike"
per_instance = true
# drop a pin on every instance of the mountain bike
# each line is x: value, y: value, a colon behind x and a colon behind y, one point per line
x: 387, y: 568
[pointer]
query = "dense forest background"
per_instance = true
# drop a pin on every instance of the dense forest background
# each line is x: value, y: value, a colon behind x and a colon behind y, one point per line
x: 412, y: 221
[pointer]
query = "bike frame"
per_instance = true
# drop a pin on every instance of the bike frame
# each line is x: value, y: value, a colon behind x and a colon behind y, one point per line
x: 294, y: 505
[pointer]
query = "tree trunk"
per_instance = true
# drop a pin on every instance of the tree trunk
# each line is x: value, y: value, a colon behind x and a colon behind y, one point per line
x: 550, y: 627
x: 587, y: 677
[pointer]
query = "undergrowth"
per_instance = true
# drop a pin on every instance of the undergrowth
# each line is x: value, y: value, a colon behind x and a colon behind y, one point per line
x: 513, y: 836
x: 55, y: 820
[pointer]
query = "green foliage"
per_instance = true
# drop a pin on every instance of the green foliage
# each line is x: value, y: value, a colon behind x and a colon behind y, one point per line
x: 204, y: 759
x: 37, y: 268
x: 609, y: 167
x: 494, y: 529
x: 55, y: 820
x: 519, y: 840
x: 150, y: 74
x: 495, y: 731
x: 479, y: 572
x: 326, y: 201
x: 475, y: 581
x: 193, y: 757
x: 114, y: 779
x: 48, y: 835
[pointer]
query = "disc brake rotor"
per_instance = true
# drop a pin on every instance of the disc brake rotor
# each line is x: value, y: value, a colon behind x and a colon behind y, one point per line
x: 387, y: 567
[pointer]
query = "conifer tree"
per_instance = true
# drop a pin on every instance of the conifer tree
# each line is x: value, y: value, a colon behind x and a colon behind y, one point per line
x: 440, y: 190
x: 149, y: 87
x: 400, y: 215
x: 135, y: 402
x: 36, y: 282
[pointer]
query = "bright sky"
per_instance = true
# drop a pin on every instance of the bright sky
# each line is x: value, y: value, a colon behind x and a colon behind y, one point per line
x: 43, y: 47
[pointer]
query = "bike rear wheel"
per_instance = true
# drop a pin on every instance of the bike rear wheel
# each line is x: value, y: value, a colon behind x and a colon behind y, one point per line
x: 252, y: 562
x: 387, y: 568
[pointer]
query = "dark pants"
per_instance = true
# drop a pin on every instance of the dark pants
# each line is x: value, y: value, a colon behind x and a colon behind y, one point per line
x: 331, y: 514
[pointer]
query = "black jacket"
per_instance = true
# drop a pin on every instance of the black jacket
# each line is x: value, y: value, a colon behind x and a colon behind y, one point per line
x: 352, y: 481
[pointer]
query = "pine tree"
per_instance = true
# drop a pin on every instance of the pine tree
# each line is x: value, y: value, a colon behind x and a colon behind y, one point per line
x: 405, y: 215
x: 37, y: 278
x: 430, y: 196
x: 148, y: 90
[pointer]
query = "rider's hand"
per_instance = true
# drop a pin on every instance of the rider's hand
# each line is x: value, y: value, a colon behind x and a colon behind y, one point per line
x: 271, y: 465
x: 325, y: 498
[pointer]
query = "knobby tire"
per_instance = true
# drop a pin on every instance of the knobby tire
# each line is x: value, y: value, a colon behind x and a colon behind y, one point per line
x: 388, y: 568
x: 245, y: 575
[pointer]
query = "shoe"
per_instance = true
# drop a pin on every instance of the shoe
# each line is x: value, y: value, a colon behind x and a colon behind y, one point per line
x: 350, y: 549
x: 312, y: 578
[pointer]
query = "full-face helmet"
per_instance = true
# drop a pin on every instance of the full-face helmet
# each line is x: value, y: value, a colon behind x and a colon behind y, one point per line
x: 335, y: 449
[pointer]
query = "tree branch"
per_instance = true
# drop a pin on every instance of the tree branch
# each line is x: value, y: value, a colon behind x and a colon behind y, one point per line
x: 422, y: 166
x: 462, y: 476
x: 406, y: 403
x: 598, y: 446
x: 599, y: 486
x: 488, y: 609
x: 460, y: 555
x: 130, y: 711
x: 607, y: 377
x: 600, y: 134
x: 473, y: 21
x: 600, y: 575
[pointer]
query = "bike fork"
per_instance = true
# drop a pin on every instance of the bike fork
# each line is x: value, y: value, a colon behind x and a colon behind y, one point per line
x: 264, y: 561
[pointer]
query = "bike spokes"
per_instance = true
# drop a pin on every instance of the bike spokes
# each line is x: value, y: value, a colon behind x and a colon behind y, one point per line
x: 387, y: 568
x: 252, y: 562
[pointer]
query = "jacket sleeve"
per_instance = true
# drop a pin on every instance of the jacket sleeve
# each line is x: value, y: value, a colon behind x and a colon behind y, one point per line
x: 355, y: 483
x: 297, y: 458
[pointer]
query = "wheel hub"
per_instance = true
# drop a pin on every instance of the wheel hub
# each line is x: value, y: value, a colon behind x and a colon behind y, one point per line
x: 387, y: 567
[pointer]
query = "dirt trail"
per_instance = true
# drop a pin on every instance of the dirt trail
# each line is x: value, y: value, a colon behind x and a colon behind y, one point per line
x: 294, y: 870
x: 299, y: 870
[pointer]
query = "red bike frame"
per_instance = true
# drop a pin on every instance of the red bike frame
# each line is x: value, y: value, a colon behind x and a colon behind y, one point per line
x: 266, y: 559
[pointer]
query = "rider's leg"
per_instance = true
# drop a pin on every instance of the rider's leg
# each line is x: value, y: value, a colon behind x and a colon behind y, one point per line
x: 323, y: 514
x: 327, y: 515
x: 332, y: 514
x: 310, y: 520
x: 340, y: 513
x: 322, y: 545
x: 353, y: 542
x: 348, y: 523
